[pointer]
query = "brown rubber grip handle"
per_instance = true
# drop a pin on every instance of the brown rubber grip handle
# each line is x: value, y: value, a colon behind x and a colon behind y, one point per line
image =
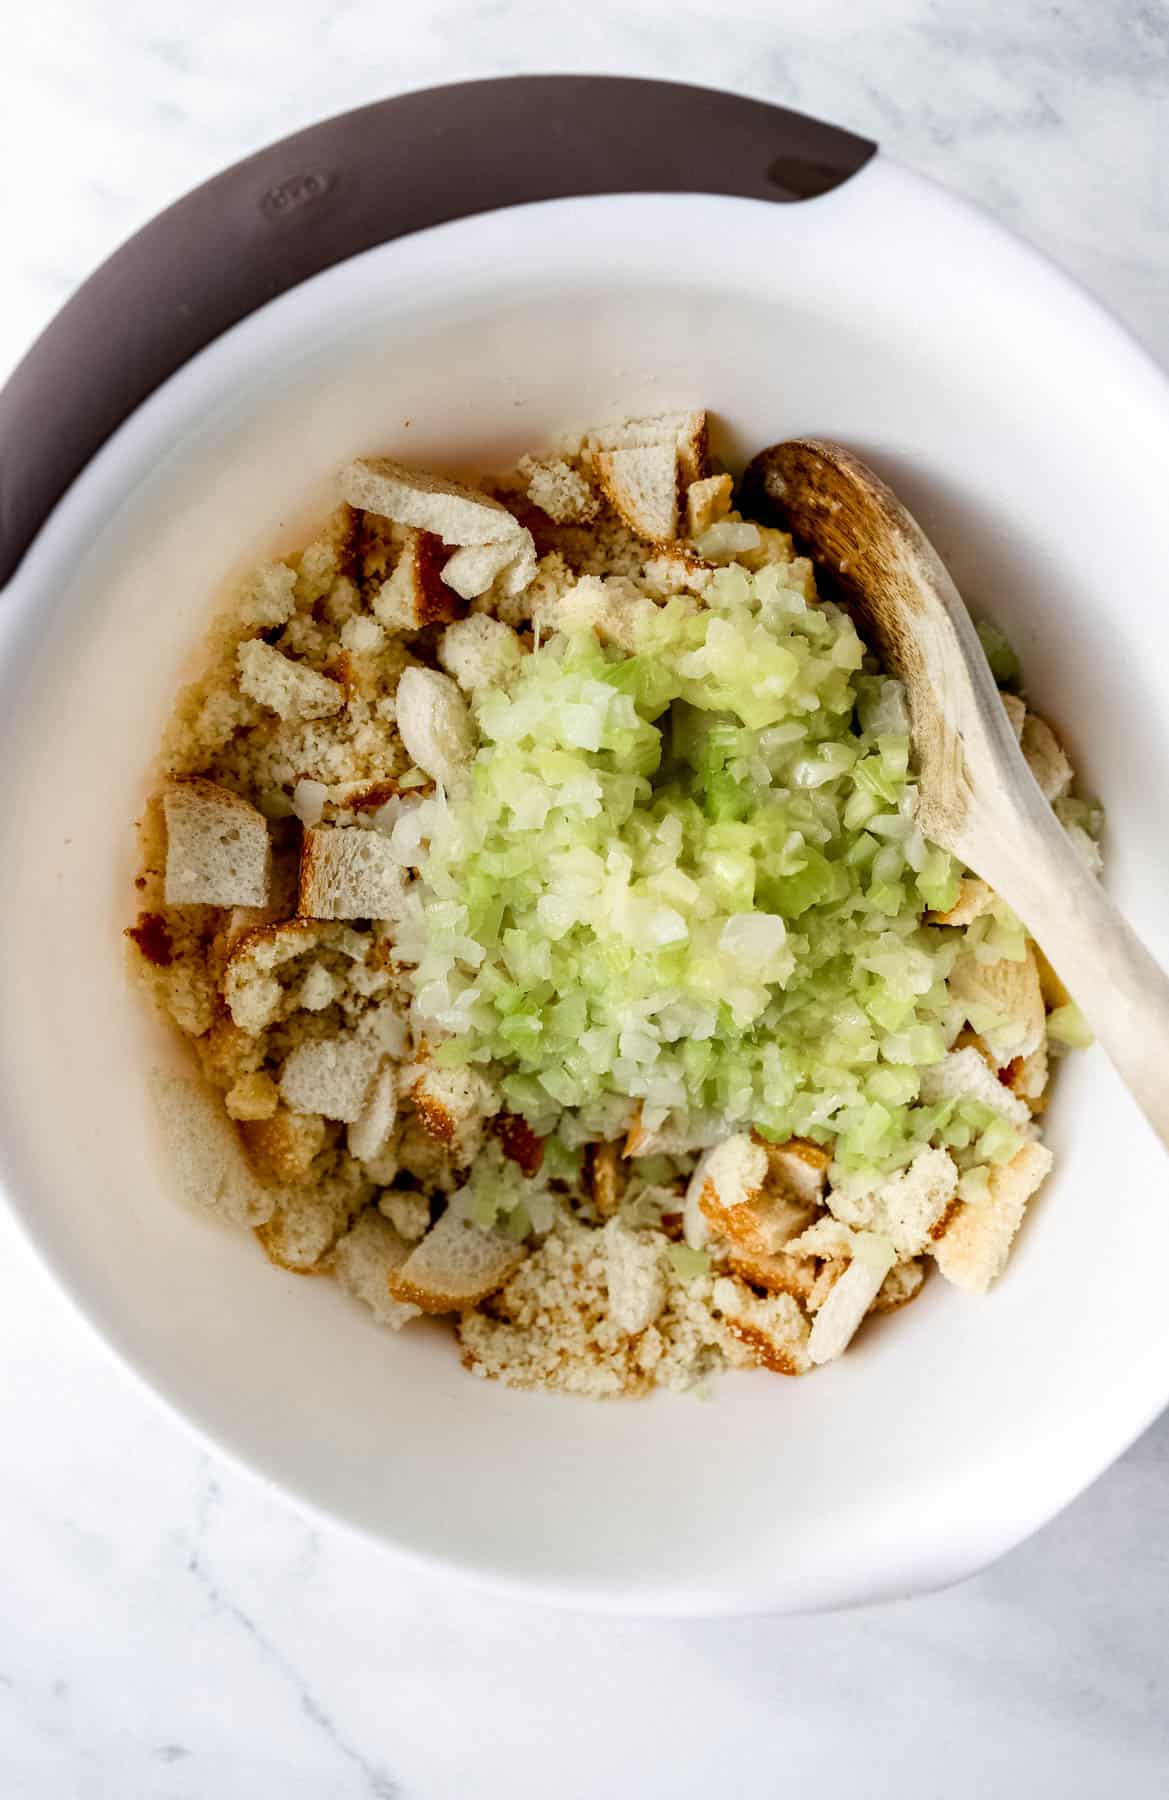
x: 349, y: 183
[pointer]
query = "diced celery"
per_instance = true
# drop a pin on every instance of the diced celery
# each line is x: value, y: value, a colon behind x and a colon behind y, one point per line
x: 688, y: 1263
x: 1067, y: 1025
x: 691, y: 877
x: 1004, y: 664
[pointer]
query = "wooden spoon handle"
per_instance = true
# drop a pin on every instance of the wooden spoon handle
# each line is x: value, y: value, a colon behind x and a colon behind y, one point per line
x: 1120, y: 988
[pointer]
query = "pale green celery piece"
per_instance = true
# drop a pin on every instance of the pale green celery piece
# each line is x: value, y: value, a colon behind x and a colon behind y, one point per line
x: 518, y: 1223
x: 875, y: 1251
x: 1067, y: 1025
x: 655, y: 1170
x: 937, y: 880
x: 1071, y: 809
x: 688, y: 1263
x: 484, y: 1209
x: 999, y: 1142
x: 498, y: 1190
x: 1004, y: 664
x: 974, y: 1184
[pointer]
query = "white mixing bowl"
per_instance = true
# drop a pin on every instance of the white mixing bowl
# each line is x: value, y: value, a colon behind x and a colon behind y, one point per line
x: 1030, y: 436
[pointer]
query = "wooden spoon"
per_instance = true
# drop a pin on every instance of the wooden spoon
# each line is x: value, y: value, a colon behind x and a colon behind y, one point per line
x: 977, y: 797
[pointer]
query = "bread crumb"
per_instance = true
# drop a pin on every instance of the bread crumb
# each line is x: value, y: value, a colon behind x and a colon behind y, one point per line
x: 559, y: 490
x: 252, y: 1097
x: 550, y: 1325
x: 362, y: 636
x: 364, y: 1259
x: 479, y: 652
x: 330, y: 1076
x: 408, y: 1213
x: 634, y: 1276
x: 287, y: 688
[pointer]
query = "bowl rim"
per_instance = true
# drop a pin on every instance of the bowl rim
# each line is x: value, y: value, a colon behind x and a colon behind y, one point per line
x: 86, y: 500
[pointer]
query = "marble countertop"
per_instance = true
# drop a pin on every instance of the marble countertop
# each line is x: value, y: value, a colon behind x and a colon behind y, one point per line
x: 168, y: 1627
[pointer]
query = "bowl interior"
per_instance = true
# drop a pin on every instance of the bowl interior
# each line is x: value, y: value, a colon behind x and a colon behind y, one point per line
x: 1027, y: 434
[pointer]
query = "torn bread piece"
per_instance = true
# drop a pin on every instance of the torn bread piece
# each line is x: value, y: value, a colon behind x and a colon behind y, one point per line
x: 757, y: 1222
x: 902, y: 1284
x: 434, y: 724
x: 1016, y: 712
x: 609, y: 605
x: 362, y: 636
x: 408, y: 1212
x: 553, y: 577
x: 707, y: 502
x: 1045, y: 758
x: 456, y: 1265
x: 423, y: 1157
x: 964, y: 1075
x: 370, y: 1132
x: 217, y: 847
x: 268, y: 596
x: 518, y: 575
x: 904, y: 1209
x: 560, y: 491
x: 725, y: 1190
x: 226, y: 1053
x: 453, y: 1105
x: 676, y: 569
x: 835, y: 1246
x: 327, y: 559
x: 671, y: 1136
x: 773, y: 1329
x: 347, y: 872
x: 307, y: 1224
x: 252, y: 987
x: 604, y: 1175
x: 686, y: 433
x: 777, y: 1272
x: 852, y: 1295
x: 415, y: 594
x: 634, y: 1276
x: 972, y: 1252
x: 826, y: 1237
x: 330, y: 1076
x: 282, y: 1148
x: 472, y: 570
x: 642, y: 486
x: 480, y: 652
x: 1009, y: 989
x: 760, y: 1228
x: 364, y: 1260
x: 252, y: 1096
x: 203, y: 1152
x: 1027, y: 1077
x: 455, y: 513
x: 798, y: 1170
x: 289, y: 689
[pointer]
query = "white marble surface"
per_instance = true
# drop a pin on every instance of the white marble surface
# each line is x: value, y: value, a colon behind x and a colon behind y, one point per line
x: 168, y: 1628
